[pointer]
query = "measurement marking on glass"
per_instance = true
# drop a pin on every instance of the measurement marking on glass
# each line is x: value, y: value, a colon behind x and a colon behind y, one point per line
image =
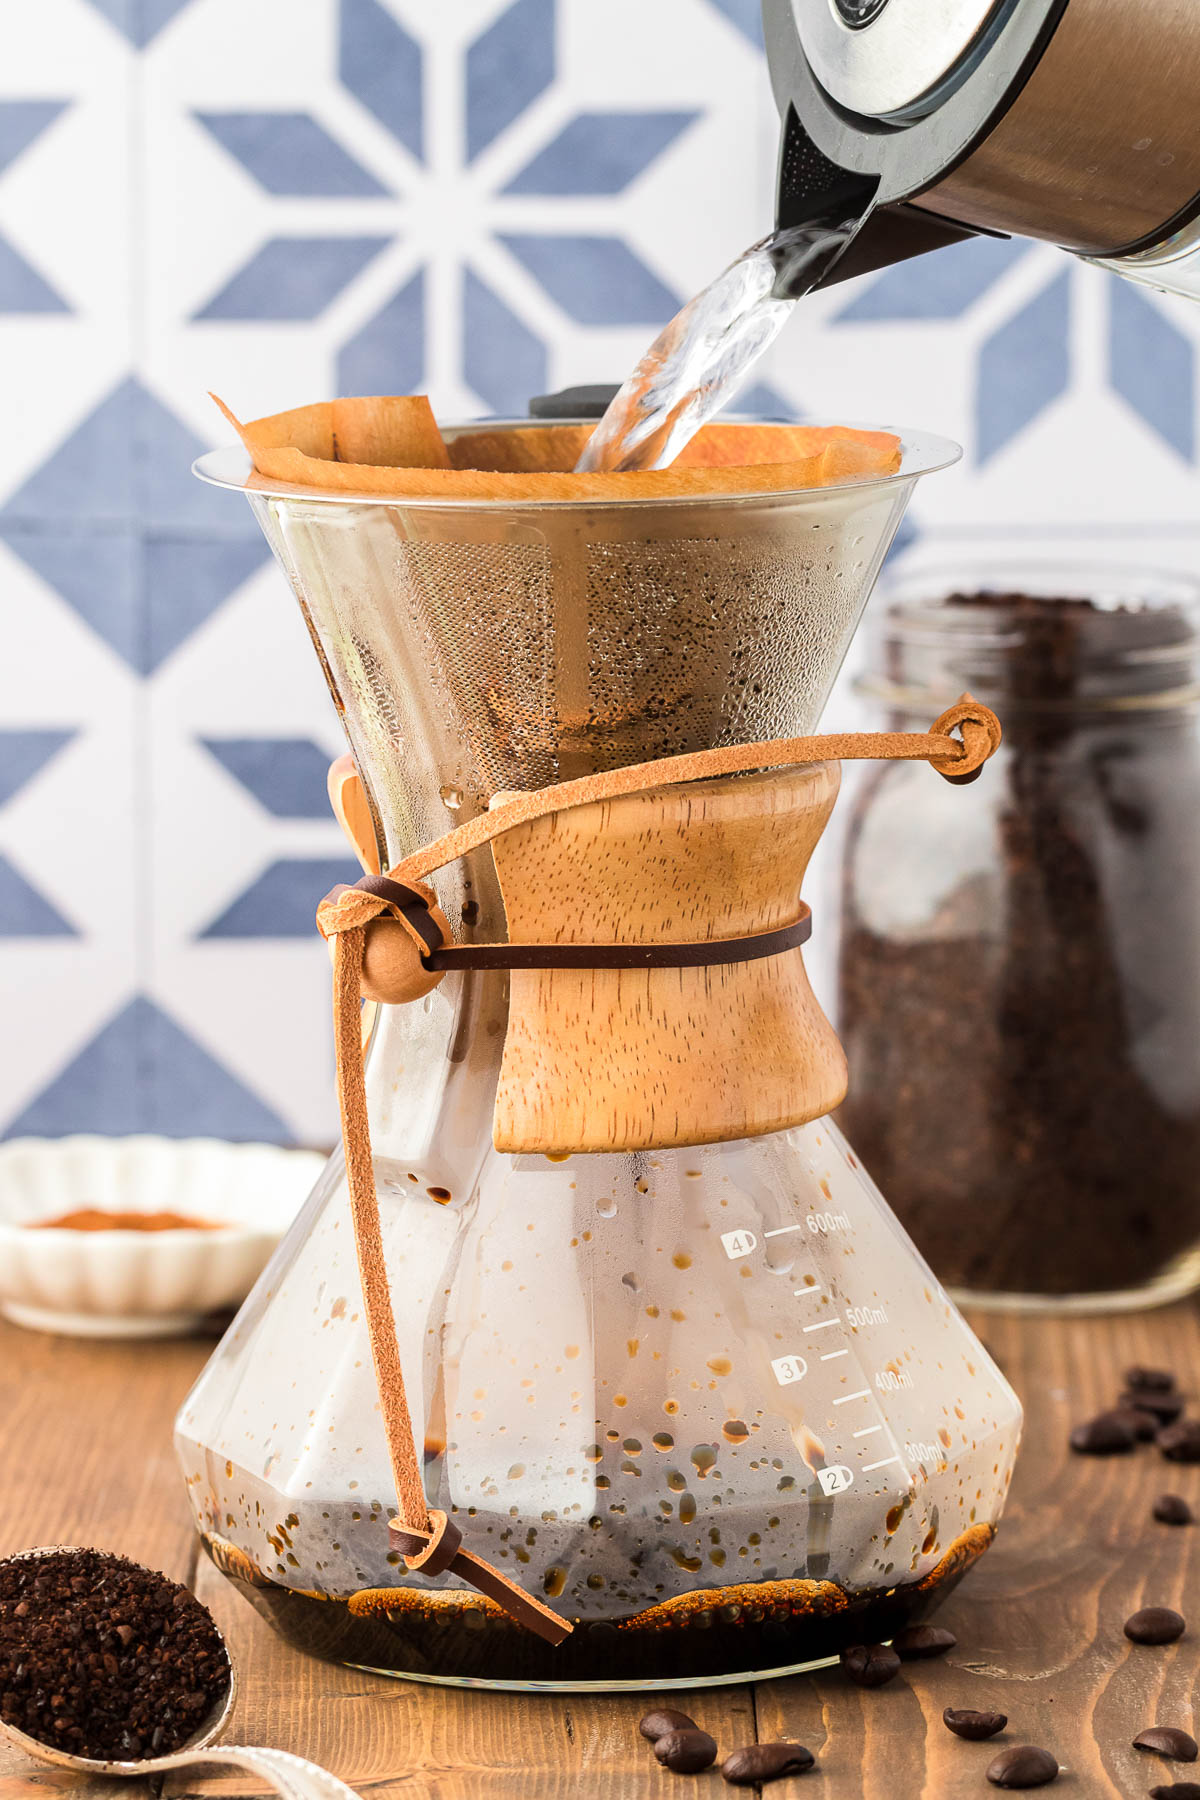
x: 830, y: 1355
x: 822, y: 1223
x: 787, y: 1369
x: 821, y: 1325
x: 867, y: 1467
x: 781, y: 1230
x: 890, y: 1381
x: 868, y: 1431
x: 814, y: 1289
x: 862, y: 1394
x: 866, y: 1315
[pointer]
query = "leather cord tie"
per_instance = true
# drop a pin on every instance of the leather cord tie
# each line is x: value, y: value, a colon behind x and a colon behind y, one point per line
x: 412, y: 908
x: 430, y: 1543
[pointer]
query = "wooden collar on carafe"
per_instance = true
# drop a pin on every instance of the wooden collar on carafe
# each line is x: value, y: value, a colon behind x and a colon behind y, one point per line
x: 430, y: 1543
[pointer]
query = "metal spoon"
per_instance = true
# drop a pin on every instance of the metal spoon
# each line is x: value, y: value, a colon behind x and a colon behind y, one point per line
x: 292, y: 1777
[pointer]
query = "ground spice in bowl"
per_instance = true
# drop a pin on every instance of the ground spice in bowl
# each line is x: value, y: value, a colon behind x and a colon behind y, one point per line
x: 96, y: 1218
x: 1020, y: 990
x: 100, y: 1657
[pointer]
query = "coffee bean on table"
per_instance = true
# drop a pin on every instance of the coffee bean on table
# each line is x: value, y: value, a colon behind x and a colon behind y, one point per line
x: 1166, y: 1407
x: 1159, y: 1381
x: 755, y: 1763
x: 1176, y: 1790
x: 1144, y: 1425
x: 1168, y: 1741
x: 923, y: 1640
x: 974, y: 1725
x: 1024, y: 1766
x: 686, y: 1752
x: 1172, y: 1509
x: 1108, y: 1435
x: 1181, y: 1442
x: 1155, y: 1625
x: 665, y: 1718
x: 870, y: 1665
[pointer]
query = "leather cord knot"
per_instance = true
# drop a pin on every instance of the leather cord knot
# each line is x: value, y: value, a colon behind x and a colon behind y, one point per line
x: 980, y: 731
x: 346, y: 907
x: 431, y: 1552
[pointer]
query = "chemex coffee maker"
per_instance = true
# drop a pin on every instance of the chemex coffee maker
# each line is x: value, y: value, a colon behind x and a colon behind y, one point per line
x: 931, y: 120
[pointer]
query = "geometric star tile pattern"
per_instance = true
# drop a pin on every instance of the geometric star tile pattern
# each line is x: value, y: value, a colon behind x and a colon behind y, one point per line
x: 490, y: 200
x: 113, y: 521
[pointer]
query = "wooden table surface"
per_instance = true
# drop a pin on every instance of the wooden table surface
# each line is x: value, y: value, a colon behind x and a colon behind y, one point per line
x: 85, y: 1449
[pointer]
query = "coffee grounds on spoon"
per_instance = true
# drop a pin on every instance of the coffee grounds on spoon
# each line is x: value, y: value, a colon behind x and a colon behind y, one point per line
x: 102, y: 1658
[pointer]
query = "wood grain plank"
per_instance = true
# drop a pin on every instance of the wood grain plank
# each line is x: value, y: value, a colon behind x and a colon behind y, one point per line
x: 406, y: 1738
x: 85, y: 1436
x: 1039, y: 1620
x: 85, y: 1443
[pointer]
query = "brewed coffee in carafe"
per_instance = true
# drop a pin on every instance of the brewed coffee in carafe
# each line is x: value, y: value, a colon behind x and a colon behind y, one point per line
x: 698, y: 1394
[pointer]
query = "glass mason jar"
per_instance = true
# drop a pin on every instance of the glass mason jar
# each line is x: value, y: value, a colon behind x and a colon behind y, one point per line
x: 1019, y: 979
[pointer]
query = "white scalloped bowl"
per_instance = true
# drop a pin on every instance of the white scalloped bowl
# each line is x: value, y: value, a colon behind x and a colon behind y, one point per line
x: 141, y: 1283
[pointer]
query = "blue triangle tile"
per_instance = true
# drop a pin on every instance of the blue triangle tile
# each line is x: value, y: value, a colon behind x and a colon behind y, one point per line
x: 599, y: 152
x: 186, y: 581
x: 90, y: 475
x: 388, y: 353
x: 26, y: 913
x: 21, y: 122
x: 24, y: 754
x: 140, y: 20
x: 508, y: 67
x: 380, y: 63
x: 596, y: 279
x: 142, y: 1072
x: 746, y: 15
x: 95, y: 572
x: 1151, y: 365
x: 143, y: 595
x: 1023, y: 367
x: 943, y: 285
x: 291, y: 153
x: 762, y: 401
x: 503, y: 360
x: 287, y: 776
x: 283, y: 901
x: 292, y: 278
x: 167, y: 494
x: 22, y: 289
x: 129, y: 460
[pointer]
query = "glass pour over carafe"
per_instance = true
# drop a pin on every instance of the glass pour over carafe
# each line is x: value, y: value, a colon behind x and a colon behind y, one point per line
x: 702, y: 1398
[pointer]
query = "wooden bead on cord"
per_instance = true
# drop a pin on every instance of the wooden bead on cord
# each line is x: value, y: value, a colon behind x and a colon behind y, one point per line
x: 392, y: 969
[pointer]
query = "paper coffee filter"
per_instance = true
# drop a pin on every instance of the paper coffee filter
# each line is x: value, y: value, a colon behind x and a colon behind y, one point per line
x: 391, y: 445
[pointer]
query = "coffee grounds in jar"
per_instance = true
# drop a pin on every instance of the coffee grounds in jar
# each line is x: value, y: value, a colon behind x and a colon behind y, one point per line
x: 103, y: 1658
x: 1025, y: 1057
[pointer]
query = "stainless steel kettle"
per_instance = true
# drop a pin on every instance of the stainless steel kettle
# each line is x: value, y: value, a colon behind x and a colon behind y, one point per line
x: 1068, y: 120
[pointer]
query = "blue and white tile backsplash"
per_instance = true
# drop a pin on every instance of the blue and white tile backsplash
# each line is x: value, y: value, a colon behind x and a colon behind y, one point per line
x: 280, y: 199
